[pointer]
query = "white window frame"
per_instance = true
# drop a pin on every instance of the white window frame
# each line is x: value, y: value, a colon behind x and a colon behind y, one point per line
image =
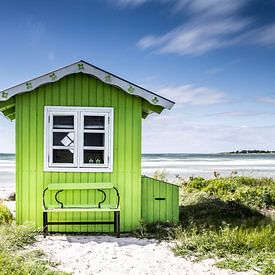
x: 78, y: 164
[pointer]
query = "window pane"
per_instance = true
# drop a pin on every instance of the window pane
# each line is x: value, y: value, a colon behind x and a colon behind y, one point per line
x: 62, y: 156
x: 94, y: 139
x: 63, y: 122
x: 94, y: 156
x: 94, y: 122
x: 63, y: 139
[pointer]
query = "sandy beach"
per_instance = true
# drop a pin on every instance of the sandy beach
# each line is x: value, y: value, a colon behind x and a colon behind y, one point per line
x: 110, y: 255
x: 127, y: 255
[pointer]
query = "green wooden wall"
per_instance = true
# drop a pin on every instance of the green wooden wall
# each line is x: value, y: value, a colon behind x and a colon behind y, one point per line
x: 153, y: 210
x: 77, y: 90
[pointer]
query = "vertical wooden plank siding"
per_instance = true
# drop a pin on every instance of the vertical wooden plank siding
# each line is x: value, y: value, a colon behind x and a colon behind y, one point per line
x: 78, y: 90
x: 153, y: 210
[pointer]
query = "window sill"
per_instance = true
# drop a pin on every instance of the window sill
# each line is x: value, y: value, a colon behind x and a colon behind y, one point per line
x: 73, y: 169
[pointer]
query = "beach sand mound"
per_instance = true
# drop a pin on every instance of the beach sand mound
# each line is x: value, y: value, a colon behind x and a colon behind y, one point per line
x: 127, y: 255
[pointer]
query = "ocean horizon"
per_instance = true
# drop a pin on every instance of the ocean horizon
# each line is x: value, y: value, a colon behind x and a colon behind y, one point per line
x: 182, y: 164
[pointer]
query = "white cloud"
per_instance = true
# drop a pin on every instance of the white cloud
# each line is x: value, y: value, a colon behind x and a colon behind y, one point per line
x: 188, y: 94
x: 238, y: 114
x: 196, y: 37
x: 267, y: 35
x: 211, y: 25
x: 214, y: 24
x: 130, y: 2
x: 210, y: 7
x: 264, y: 35
x: 267, y: 99
x: 182, y: 135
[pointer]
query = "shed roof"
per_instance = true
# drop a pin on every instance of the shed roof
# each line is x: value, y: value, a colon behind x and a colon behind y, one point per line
x: 89, y: 69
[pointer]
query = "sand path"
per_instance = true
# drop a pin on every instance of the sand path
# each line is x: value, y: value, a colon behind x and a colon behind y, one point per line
x: 127, y: 255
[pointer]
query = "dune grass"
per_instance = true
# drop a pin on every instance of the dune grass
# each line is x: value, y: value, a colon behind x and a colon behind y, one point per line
x: 14, y: 258
x: 237, y: 248
x: 223, y: 218
x: 253, y: 192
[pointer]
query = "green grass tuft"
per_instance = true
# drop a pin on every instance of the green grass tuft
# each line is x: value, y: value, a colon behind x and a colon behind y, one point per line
x: 242, y: 248
x: 29, y: 263
x: 15, y: 259
x: 222, y: 218
x: 5, y: 215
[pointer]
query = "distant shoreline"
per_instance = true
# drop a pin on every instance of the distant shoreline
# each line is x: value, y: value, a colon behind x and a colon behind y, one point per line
x: 251, y: 152
x: 242, y: 152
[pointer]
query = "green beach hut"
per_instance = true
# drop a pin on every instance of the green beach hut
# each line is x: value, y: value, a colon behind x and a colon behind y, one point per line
x: 78, y: 152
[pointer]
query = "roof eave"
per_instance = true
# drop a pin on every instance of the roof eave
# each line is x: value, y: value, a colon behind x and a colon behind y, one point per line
x: 86, y: 68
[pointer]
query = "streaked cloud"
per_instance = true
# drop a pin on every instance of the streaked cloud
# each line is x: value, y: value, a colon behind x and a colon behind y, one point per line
x: 189, y: 94
x: 264, y: 36
x: 196, y: 37
x: 237, y: 114
x: 267, y: 99
x: 210, y: 7
x: 214, y: 71
x: 130, y: 2
x: 212, y: 24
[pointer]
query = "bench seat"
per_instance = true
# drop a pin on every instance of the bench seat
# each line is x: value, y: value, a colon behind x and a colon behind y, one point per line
x: 81, y: 209
x: 91, y: 208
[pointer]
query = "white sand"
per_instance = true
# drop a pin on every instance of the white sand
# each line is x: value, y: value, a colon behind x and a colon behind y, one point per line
x: 127, y: 255
x: 110, y: 255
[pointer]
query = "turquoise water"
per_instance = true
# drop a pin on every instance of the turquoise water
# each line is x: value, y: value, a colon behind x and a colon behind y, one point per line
x: 186, y: 165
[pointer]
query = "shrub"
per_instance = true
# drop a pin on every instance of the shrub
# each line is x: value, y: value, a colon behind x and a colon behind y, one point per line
x: 156, y: 230
x: 252, y: 192
x: 5, y: 215
x: 160, y: 175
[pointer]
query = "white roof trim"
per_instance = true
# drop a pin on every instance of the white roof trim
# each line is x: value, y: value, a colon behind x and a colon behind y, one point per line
x: 86, y: 68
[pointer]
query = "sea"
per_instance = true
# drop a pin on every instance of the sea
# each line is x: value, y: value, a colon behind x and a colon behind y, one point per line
x: 183, y: 165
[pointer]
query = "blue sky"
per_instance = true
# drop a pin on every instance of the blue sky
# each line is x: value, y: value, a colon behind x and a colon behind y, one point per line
x: 215, y: 58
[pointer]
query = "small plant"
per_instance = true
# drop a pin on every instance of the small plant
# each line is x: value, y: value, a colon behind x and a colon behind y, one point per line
x: 216, y: 174
x: 160, y: 175
x: 233, y: 173
x: 5, y: 215
x: 156, y: 230
x: 141, y: 230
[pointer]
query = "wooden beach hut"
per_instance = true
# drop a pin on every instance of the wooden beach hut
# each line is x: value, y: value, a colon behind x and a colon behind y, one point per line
x: 78, y: 152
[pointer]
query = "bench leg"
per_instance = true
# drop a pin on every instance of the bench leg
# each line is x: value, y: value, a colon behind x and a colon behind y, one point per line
x: 118, y: 227
x: 117, y: 223
x: 45, y: 224
x: 115, y: 220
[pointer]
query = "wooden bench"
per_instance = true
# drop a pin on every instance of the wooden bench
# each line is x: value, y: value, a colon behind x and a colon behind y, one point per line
x: 99, y: 207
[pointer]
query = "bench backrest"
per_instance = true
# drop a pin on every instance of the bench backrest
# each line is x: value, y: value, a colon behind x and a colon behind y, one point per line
x: 84, y: 186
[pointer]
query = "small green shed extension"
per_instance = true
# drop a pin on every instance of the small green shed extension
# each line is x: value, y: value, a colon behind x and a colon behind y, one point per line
x: 78, y: 152
x: 159, y: 201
